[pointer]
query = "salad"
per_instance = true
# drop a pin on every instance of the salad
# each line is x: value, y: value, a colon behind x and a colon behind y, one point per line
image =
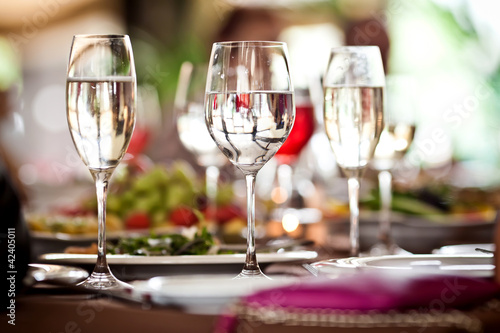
x: 191, y: 241
x: 199, y: 242
x: 437, y: 202
x: 160, y: 197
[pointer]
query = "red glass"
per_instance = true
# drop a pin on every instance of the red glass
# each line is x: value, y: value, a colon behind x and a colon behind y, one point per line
x: 298, y: 138
x: 139, y: 141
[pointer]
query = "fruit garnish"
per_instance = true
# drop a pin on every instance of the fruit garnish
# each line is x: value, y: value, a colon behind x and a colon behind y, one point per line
x: 138, y: 221
x: 183, y: 216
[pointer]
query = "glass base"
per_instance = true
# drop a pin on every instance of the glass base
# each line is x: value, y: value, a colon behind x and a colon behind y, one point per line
x: 103, y: 281
x: 382, y: 249
x: 252, y: 274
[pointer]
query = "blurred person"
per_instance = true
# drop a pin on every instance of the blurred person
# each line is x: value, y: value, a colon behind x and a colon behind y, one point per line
x: 14, y: 239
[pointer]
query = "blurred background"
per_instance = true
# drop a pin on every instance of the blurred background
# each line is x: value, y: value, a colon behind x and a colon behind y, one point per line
x: 450, y: 49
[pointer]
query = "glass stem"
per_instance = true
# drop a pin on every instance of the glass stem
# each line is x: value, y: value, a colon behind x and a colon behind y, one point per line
x: 251, y: 258
x: 212, y: 180
x: 385, y: 188
x: 353, y: 187
x: 101, y: 179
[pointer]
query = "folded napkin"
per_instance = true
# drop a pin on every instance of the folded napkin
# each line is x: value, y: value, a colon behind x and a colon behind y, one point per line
x: 367, y: 292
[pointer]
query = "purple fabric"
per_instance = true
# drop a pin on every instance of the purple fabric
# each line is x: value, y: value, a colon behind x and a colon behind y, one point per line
x: 369, y: 291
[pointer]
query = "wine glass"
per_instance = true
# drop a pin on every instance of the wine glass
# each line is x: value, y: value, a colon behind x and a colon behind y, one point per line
x: 193, y: 132
x: 285, y: 193
x: 249, y: 110
x: 101, y: 97
x: 395, y: 140
x: 147, y: 126
x: 302, y: 130
x: 354, y: 103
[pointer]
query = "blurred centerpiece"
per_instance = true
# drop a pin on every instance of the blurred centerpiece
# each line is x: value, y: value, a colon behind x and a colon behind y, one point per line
x: 193, y: 132
x: 395, y: 141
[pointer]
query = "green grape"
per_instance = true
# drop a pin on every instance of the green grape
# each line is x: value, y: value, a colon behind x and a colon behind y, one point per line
x: 224, y: 194
x: 113, y: 203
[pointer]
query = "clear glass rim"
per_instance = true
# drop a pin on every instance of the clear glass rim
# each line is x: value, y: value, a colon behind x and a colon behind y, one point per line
x: 250, y: 43
x: 354, y: 48
x: 101, y: 36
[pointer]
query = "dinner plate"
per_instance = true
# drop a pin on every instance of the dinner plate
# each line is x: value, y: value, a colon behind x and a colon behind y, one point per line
x: 128, y: 267
x: 92, y: 237
x: 463, y: 265
x: 49, y: 242
x: 418, y: 234
x: 464, y: 248
x: 53, y: 242
x: 57, y: 274
x: 123, y: 259
x: 61, y: 236
x: 201, y: 294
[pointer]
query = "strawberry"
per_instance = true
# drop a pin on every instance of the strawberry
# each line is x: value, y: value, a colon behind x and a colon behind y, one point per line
x: 138, y: 220
x: 227, y: 213
x: 73, y: 211
x: 242, y: 101
x: 183, y: 216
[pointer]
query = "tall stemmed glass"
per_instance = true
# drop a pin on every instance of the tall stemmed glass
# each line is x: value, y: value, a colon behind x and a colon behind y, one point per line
x: 101, y: 97
x: 354, y: 102
x: 249, y: 110
x: 289, y: 153
x: 193, y: 133
x: 395, y: 141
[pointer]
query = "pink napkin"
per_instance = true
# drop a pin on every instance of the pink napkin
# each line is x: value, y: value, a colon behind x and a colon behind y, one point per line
x: 369, y: 291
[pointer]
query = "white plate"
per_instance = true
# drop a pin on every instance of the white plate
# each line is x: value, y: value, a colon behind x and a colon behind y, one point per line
x: 201, y: 294
x: 119, y: 259
x: 418, y: 234
x: 92, y: 237
x: 56, y: 274
x: 463, y: 265
x: 50, y: 242
x: 126, y: 267
x: 464, y: 248
x: 61, y: 236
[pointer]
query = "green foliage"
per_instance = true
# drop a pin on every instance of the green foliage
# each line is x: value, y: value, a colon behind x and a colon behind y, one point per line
x: 429, y: 201
x: 158, y: 65
x: 169, y: 244
x: 10, y: 71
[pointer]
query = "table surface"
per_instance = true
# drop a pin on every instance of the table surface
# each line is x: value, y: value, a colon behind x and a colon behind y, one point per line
x: 45, y: 308
x: 55, y: 309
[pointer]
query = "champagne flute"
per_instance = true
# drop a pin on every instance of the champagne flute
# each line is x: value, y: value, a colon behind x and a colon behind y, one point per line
x: 395, y: 140
x: 249, y: 110
x: 354, y: 102
x: 101, y: 97
x: 193, y: 132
